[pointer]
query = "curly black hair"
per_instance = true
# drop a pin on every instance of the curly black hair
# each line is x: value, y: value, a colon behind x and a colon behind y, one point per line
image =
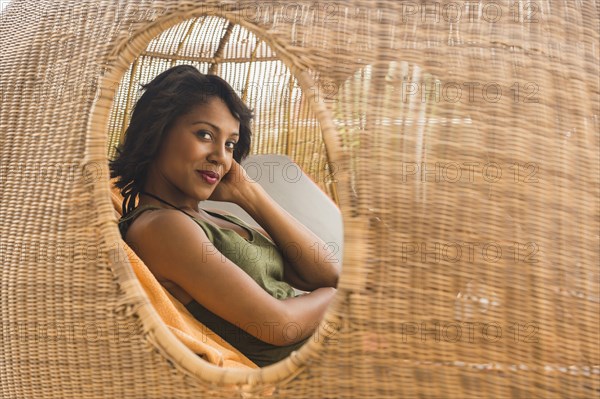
x: 169, y: 95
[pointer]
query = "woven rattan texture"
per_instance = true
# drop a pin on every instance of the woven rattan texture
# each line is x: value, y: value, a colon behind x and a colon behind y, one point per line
x: 460, y: 140
x: 284, y: 122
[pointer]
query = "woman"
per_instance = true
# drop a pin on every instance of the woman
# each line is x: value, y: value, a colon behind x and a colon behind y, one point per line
x: 187, y: 135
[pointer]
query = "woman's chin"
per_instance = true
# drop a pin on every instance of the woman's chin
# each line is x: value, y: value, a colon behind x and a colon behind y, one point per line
x: 205, y: 196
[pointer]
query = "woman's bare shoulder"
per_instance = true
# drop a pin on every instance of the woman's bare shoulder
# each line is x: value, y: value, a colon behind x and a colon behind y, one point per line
x: 157, y: 224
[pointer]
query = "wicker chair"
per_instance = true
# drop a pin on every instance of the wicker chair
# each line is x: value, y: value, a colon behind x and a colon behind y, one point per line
x: 459, y: 139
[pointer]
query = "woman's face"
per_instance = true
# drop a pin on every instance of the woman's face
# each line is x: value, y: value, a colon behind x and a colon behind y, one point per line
x: 196, y: 152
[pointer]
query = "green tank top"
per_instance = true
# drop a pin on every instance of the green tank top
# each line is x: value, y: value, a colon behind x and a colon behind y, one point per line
x: 260, y: 258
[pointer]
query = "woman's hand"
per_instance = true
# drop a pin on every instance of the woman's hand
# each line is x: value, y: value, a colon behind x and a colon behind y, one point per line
x: 233, y: 186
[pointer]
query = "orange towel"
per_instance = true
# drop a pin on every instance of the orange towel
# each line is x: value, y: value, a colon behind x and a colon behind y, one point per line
x: 196, y: 336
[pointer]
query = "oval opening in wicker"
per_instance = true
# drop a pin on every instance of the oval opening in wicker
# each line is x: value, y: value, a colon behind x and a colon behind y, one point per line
x: 287, y: 121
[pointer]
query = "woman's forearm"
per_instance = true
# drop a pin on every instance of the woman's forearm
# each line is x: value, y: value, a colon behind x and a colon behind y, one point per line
x: 311, y: 259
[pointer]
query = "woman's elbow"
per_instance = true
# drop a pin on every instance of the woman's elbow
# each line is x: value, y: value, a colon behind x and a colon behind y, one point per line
x: 298, y: 323
x: 328, y: 279
x: 289, y: 329
x: 332, y: 279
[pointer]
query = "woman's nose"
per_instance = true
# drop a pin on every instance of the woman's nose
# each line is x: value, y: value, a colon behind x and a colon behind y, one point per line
x: 217, y: 154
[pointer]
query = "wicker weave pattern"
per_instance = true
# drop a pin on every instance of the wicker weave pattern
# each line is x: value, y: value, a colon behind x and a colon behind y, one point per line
x: 75, y: 322
x: 284, y: 122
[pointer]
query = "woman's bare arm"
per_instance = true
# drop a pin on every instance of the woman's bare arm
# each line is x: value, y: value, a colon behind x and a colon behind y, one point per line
x: 308, y: 258
x: 310, y: 262
x: 174, y: 246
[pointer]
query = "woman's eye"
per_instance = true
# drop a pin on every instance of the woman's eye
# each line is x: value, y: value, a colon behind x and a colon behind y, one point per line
x: 231, y: 145
x: 203, y: 133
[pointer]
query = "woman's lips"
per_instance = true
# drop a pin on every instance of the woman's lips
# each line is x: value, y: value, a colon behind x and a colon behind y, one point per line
x: 209, y: 176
